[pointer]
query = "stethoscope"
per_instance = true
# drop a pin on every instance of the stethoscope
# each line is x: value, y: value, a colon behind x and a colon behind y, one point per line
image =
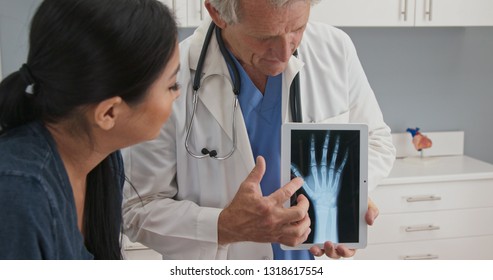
x: 294, y: 95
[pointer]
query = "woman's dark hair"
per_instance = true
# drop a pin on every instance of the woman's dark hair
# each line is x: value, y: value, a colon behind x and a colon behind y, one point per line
x: 82, y: 52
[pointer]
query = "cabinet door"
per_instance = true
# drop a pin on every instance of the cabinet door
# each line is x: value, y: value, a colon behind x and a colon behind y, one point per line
x: 407, y: 227
x: 179, y: 7
x: 196, y: 12
x: 137, y: 251
x: 470, y: 248
x: 454, y: 12
x: 436, y: 196
x: 364, y: 12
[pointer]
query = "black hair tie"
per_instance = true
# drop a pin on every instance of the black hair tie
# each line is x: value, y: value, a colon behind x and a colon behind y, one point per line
x: 28, y: 78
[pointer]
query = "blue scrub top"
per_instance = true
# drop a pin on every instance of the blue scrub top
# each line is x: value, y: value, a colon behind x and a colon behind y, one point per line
x: 263, y: 119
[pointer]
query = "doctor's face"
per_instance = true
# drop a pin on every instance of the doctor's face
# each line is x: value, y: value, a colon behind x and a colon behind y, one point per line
x: 265, y: 37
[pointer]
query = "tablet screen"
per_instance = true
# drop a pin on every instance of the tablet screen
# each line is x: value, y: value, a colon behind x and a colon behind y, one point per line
x: 332, y: 159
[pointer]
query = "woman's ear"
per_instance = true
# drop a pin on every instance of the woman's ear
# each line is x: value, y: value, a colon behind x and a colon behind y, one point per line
x: 107, y: 112
x: 216, y: 17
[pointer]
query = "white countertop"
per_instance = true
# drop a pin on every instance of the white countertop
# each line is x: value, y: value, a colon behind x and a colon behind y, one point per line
x: 438, y: 169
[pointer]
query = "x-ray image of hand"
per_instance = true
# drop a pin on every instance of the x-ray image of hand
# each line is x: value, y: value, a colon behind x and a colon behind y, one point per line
x: 322, y: 185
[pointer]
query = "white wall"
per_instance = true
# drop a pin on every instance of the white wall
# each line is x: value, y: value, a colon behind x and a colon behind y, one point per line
x: 15, y: 18
x: 438, y: 79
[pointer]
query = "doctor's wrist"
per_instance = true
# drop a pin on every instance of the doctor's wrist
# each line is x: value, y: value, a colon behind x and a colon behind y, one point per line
x: 226, y: 233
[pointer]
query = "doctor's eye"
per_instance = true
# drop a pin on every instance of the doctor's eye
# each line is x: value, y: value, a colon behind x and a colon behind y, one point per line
x: 175, y: 87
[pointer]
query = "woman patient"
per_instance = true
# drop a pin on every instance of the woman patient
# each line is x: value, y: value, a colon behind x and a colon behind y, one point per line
x: 100, y: 76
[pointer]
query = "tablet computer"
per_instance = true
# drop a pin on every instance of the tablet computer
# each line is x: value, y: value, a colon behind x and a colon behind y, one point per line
x: 333, y: 161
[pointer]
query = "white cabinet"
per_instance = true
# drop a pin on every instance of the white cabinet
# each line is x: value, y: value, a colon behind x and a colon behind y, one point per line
x: 137, y: 251
x: 364, y: 12
x: 454, y: 13
x: 404, y: 12
x: 189, y: 13
x: 196, y: 12
x: 439, y: 209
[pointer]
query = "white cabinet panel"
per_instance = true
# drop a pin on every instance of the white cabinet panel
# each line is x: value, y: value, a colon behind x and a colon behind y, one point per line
x: 189, y: 13
x: 474, y: 248
x: 390, y: 228
x: 436, y: 211
x: 433, y: 196
x: 454, y: 12
x: 196, y: 12
x: 179, y: 7
x: 364, y: 12
x: 142, y: 254
x: 137, y: 251
x: 404, y: 12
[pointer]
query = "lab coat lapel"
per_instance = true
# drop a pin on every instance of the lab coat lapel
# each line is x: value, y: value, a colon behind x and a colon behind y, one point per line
x: 294, y: 67
x: 216, y: 93
x: 215, y: 90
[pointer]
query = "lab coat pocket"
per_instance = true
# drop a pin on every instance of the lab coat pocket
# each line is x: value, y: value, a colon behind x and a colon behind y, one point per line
x: 341, y: 118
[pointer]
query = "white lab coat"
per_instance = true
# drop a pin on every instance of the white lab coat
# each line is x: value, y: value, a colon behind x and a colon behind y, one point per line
x: 181, y: 197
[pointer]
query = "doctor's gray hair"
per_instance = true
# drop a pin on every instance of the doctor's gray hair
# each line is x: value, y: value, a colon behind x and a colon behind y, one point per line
x: 230, y: 9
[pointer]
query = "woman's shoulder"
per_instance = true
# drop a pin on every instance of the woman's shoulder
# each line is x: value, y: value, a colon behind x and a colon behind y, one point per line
x: 25, y: 196
x: 28, y: 217
x: 24, y: 149
x: 22, y: 158
x: 24, y: 199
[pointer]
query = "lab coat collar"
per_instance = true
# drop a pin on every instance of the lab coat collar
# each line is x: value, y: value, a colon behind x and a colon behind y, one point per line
x: 211, y: 66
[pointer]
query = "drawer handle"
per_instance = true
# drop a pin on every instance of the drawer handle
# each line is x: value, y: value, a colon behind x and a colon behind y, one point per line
x: 422, y: 228
x: 422, y: 257
x: 423, y: 198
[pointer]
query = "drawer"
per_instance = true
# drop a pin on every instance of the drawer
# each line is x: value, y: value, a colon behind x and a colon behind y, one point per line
x: 433, y: 196
x: 137, y: 251
x: 476, y: 248
x: 142, y: 254
x: 390, y: 228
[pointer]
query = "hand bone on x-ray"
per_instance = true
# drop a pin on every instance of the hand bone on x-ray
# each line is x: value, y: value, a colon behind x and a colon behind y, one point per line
x: 322, y: 185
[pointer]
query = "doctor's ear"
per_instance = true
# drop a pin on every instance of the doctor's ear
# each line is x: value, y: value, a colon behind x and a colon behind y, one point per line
x: 107, y: 111
x: 216, y: 17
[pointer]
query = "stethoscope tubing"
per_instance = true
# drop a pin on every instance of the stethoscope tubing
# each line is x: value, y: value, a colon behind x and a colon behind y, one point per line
x: 190, y: 127
x: 294, y: 94
x: 196, y: 87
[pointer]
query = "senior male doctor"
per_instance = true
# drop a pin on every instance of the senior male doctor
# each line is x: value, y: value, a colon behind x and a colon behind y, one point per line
x: 229, y: 204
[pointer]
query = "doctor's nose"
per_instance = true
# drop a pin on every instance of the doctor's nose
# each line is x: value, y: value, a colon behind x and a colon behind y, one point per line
x: 284, y: 48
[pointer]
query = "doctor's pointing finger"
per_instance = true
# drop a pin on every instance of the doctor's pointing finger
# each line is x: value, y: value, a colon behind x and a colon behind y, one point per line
x: 253, y: 217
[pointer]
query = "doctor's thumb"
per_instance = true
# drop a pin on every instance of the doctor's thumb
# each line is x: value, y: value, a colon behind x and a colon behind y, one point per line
x: 258, y: 171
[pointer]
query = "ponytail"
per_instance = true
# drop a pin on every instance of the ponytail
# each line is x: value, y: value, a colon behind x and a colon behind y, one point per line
x: 17, y: 99
x: 102, y: 209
